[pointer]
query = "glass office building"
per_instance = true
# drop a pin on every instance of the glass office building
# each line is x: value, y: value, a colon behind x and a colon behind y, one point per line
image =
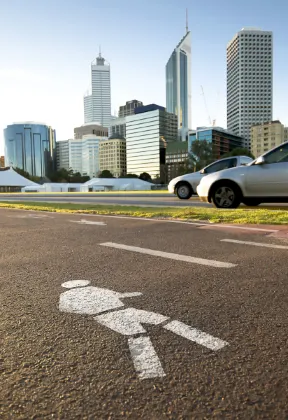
x: 147, y: 135
x: 178, y: 83
x: 30, y: 146
x: 223, y: 141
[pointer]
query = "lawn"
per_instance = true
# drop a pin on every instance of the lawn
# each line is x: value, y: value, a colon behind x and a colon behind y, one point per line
x: 239, y: 216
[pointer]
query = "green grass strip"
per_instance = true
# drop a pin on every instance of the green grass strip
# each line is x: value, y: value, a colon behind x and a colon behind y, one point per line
x: 239, y: 216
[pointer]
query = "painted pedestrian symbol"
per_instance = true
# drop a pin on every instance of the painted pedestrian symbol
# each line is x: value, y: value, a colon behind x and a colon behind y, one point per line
x: 107, y: 305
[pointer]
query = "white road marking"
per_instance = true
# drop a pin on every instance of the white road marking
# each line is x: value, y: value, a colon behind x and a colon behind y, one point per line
x: 129, y: 321
x: 31, y: 216
x: 243, y: 228
x: 169, y: 255
x: 146, y: 219
x: 145, y: 359
x: 75, y: 283
x: 261, y: 244
x: 84, y: 299
x: 88, y: 222
x: 195, y: 335
x: 90, y: 300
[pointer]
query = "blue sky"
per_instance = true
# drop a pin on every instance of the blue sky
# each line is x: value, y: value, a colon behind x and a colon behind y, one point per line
x: 46, y: 48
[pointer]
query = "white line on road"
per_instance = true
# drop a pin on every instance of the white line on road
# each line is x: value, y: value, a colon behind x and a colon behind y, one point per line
x: 234, y: 241
x: 242, y: 228
x: 145, y: 359
x: 195, y: 335
x: 88, y: 222
x: 169, y: 255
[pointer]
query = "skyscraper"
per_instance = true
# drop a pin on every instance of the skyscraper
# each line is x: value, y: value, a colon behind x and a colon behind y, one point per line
x: 30, y: 146
x: 249, y: 81
x: 97, y: 105
x: 178, y: 83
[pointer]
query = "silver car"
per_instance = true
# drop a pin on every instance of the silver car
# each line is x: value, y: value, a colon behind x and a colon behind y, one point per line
x: 185, y: 186
x: 262, y: 181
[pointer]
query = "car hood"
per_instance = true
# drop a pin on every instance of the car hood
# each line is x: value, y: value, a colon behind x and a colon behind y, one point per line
x: 187, y: 177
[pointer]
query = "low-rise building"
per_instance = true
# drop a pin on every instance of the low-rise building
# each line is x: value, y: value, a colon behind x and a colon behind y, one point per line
x: 266, y: 136
x: 223, y: 141
x: 80, y: 155
x: 112, y: 155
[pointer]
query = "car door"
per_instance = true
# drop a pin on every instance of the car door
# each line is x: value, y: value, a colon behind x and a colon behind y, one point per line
x: 269, y: 179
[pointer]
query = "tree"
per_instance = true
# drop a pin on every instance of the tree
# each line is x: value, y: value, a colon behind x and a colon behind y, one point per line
x: 201, y: 154
x: 145, y: 177
x: 239, y: 151
x: 129, y: 176
x: 27, y: 175
x: 106, y: 174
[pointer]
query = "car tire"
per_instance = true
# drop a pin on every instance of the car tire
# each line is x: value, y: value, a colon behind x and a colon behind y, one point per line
x: 226, y: 195
x: 251, y: 202
x: 184, y: 190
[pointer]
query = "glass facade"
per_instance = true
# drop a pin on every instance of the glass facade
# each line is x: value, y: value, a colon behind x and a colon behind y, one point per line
x: 178, y: 83
x: 147, y: 135
x: 31, y: 147
x: 171, y: 85
x: 223, y: 141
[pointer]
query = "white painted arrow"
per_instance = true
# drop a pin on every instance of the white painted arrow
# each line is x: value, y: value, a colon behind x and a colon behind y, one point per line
x: 88, y: 222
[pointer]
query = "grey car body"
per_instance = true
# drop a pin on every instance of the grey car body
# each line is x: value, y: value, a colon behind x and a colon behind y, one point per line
x: 186, y: 185
x: 263, y: 180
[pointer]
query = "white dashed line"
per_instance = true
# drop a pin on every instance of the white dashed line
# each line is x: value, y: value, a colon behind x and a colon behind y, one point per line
x: 88, y: 222
x: 234, y: 241
x: 185, y: 258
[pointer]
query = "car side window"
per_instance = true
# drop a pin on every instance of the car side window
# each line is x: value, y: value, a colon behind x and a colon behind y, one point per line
x: 245, y: 160
x: 223, y: 164
x: 278, y: 156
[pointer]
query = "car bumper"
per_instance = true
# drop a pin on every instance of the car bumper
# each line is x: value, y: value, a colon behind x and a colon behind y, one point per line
x: 171, y: 189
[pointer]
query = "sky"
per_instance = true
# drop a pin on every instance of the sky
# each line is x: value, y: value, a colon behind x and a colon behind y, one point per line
x: 47, y: 46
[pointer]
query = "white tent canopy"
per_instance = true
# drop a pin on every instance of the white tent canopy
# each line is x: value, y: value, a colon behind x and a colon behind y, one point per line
x: 10, y: 178
x: 116, y: 184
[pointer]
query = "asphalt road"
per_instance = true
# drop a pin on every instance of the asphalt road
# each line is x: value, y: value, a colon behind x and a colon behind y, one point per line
x: 157, y: 200
x: 130, y: 199
x: 60, y: 360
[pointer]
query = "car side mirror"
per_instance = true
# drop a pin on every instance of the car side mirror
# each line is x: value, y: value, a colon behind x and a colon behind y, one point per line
x: 202, y: 171
x: 260, y: 161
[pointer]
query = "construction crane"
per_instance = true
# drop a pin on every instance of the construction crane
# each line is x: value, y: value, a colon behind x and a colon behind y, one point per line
x: 208, y: 115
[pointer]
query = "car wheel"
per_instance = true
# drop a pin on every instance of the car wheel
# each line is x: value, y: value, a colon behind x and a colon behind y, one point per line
x: 251, y: 202
x: 226, y: 196
x: 184, y: 191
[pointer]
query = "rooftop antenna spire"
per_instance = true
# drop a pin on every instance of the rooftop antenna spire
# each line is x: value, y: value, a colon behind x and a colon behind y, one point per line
x: 99, y: 50
x: 187, y: 30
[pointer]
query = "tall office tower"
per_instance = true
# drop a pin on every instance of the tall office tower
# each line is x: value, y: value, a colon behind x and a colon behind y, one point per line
x: 178, y: 84
x: 249, y: 81
x: 97, y: 104
x: 129, y: 108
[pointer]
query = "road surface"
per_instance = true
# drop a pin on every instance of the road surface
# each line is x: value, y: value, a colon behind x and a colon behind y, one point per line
x: 212, y: 302
x: 130, y: 199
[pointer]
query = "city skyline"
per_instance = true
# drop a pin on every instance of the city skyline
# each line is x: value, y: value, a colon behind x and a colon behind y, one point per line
x: 34, y: 88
